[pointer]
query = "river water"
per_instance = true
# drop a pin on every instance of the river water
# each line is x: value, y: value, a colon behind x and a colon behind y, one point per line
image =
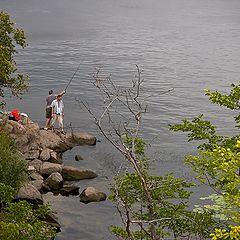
x: 188, y: 45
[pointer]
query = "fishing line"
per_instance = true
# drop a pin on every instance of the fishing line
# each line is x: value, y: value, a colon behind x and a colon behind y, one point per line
x: 73, y: 76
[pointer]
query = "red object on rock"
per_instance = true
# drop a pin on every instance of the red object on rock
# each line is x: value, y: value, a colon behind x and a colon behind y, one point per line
x: 15, y: 114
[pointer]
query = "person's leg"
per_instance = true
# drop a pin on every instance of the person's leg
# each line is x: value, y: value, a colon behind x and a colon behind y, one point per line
x: 60, y: 120
x: 54, y: 118
x: 48, y: 117
x: 47, y: 125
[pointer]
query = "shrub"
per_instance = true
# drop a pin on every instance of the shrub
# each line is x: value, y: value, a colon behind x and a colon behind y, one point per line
x: 12, y: 167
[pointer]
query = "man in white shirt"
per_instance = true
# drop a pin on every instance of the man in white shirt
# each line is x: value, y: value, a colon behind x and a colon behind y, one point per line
x: 50, y: 98
x: 57, y: 112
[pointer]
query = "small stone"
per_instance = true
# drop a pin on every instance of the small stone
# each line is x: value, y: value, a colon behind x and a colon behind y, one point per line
x: 31, y: 169
x: 78, y: 157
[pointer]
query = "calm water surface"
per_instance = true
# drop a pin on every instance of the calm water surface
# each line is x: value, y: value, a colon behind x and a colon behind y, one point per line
x: 187, y: 45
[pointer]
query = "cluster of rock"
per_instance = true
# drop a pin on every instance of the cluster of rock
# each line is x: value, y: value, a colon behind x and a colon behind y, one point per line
x: 43, y: 151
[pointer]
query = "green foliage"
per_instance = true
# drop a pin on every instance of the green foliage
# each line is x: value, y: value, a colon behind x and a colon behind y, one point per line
x: 218, y: 164
x: 6, y: 193
x: 9, y: 38
x: 218, y: 208
x: 219, y: 168
x: 13, y: 169
x: 199, y: 130
x: 137, y: 147
x: 230, y: 100
x: 169, y: 199
x: 21, y: 221
x: 232, y: 233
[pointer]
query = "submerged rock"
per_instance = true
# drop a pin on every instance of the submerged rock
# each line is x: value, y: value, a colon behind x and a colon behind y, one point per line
x: 69, y: 189
x: 78, y: 157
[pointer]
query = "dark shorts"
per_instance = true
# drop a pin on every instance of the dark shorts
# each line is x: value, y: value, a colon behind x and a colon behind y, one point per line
x: 49, y: 112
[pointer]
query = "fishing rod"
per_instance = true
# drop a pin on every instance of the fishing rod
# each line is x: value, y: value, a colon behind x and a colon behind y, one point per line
x: 72, y: 76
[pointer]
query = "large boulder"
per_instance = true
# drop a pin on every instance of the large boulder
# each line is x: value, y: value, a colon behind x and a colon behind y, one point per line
x: 55, y: 181
x: 90, y: 194
x: 29, y: 193
x: 48, y: 168
x: 72, y: 173
x: 54, y: 141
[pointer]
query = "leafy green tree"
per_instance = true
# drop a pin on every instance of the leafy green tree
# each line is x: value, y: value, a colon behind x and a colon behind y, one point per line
x: 10, y: 38
x: 217, y: 163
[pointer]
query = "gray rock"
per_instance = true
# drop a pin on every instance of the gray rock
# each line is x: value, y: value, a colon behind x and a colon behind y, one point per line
x: 72, y: 173
x: 55, y: 181
x: 36, y: 163
x: 45, y: 154
x: 45, y: 188
x: 56, y: 142
x: 90, y: 194
x: 48, y: 168
x: 36, y: 176
x: 56, y: 157
x: 37, y: 184
x: 69, y: 189
x: 31, y: 155
x: 29, y: 193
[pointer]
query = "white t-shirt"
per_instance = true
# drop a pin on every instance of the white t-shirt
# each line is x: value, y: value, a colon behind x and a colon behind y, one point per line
x: 57, y: 106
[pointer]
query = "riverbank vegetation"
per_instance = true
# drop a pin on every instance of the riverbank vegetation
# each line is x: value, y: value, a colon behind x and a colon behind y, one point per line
x: 18, y: 219
x: 157, y: 207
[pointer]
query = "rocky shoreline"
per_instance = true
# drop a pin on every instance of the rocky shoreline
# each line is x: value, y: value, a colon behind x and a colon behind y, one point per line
x: 43, y: 151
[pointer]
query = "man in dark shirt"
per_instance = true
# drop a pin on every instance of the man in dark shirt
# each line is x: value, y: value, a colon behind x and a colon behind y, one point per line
x: 49, y: 101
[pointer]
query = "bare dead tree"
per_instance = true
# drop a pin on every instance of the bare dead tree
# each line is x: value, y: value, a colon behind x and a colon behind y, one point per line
x: 122, y: 114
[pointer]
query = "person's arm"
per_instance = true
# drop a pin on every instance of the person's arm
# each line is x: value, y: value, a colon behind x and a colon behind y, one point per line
x: 62, y: 93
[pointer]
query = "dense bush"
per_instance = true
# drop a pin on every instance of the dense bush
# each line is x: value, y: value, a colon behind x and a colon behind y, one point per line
x: 12, y: 167
x: 21, y: 221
